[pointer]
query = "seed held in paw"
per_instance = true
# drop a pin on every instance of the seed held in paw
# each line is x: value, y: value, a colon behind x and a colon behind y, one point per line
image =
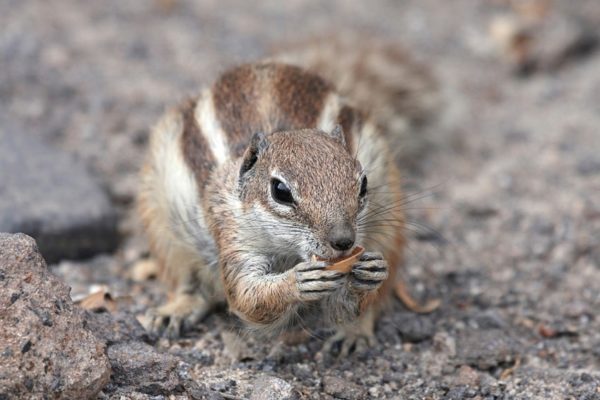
x: 343, y: 264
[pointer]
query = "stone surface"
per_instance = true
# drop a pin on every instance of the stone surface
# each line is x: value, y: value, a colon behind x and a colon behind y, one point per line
x: 139, y: 366
x: 504, y: 218
x: 139, y: 369
x: 486, y: 349
x: 44, y: 347
x: 47, y: 194
x: 467, y: 376
x: 342, y: 389
x: 272, y: 388
x: 116, y: 327
x: 413, y: 327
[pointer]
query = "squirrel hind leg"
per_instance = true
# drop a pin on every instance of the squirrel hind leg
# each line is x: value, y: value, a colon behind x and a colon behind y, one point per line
x: 356, y: 336
x: 178, y: 315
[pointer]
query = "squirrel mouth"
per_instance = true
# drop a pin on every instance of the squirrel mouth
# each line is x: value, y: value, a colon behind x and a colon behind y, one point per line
x: 341, y: 255
x: 331, y: 255
x: 343, y: 263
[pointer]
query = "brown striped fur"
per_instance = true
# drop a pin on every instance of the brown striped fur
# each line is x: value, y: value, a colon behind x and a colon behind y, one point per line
x: 193, y: 145
x: 266, y: 98
x: 218, y: 233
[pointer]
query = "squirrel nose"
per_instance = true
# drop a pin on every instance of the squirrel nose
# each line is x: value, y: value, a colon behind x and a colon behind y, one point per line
x: 342, y: 237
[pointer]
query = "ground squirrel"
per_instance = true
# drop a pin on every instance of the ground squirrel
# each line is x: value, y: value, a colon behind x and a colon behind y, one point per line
x: 245, y: 183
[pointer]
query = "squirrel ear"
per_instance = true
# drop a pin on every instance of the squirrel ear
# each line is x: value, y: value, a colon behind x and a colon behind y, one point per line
x: 338, y: 134
x: 258, y: 144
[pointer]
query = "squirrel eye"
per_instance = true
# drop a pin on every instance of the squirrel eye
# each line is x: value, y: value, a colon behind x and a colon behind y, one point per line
x: 363, y: 187
x: 281, y: 193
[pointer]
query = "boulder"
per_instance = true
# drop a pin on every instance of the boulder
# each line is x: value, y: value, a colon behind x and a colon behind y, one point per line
x: 45, y: 349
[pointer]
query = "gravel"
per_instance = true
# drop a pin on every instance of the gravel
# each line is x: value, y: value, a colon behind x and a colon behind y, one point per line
x: 507, y: 220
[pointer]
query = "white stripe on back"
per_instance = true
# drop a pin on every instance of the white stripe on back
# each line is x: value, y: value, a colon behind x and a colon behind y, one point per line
x: 211, y: 128
x: 329, y: 115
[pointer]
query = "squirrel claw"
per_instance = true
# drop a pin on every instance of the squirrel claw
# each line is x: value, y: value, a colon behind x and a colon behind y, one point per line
x: 369, y: 273
x: 356, y: 337
x: 178, y: 315
x: 164, y: 325
x: 349, y: 342
x: 314, y: 282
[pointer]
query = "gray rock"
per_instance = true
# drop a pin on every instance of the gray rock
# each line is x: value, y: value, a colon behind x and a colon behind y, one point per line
x: 486, y: 349
x: 413, y: 327
x: 50, y: 196
x: 272, y: 388
x: 189, y: 389
x: 133, y: 395
x: 490, y: 319
x: 562, y: 39
x: 467, y: 376
x: 588, y: 166
x: 140, y: 366
x: 202, y: 393
x: 457, y: 393
x: 44, y: 347
x: 343, y: 389
x: 116, y: 327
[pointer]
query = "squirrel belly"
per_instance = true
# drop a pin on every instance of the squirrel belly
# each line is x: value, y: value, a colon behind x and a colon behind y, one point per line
x: 245, y: 183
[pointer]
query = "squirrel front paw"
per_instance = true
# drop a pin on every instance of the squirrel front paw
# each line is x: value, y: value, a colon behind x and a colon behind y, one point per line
x: 369, y: 273
x: 314, y: 282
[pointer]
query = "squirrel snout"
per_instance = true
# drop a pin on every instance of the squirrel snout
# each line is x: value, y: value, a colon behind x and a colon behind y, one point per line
x: 342, y: 237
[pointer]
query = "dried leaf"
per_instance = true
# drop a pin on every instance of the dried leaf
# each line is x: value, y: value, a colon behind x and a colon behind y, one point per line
x: 98, y: 301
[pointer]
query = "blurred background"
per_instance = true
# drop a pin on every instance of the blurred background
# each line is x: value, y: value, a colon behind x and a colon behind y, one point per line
x: 509, y: 221
x: 86, y: 81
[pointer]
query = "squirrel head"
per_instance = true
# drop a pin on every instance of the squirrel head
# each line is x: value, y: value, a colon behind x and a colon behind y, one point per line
x: 303, y: 191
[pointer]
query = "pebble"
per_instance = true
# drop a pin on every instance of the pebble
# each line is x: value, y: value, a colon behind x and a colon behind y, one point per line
x: 343, y: 389
x: 486, y: 348
x: 272, y: 388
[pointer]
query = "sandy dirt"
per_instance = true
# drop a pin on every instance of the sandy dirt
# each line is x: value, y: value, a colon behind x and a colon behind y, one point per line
x: 505, y: 222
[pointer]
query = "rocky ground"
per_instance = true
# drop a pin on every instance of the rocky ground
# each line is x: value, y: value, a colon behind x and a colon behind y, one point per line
x: 505, y: 225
